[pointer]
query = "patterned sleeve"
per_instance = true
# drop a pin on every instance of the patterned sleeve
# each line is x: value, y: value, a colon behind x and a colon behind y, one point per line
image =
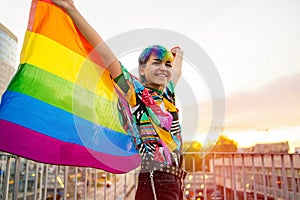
x: 129, y: 85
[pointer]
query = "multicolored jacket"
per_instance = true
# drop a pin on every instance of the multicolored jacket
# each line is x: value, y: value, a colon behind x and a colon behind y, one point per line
x: 152, y: 119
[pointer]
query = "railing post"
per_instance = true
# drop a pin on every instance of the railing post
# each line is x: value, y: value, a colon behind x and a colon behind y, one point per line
x: 214, y: 173
x: 125, y: 186
x: 264, y: 176
x: 275, y: 188
x: 36, y: 180
x: 76, y: 183
x: 41, y: 181
x: 26, y: 180
x: 293, y: 176
x: 224, y: 176
x: 1, y: 169
x: 85, y: 183
x: 244, y: 176
x: 194, y: 173
x: 46, y: 182
x: 66, y: 182
x: 16, y: 178
x: 6, y: 179
x: 284, y: 178
x: 254, y: 176
x: 95, y: 183
x: 55, y: 182
x: 105, y: 182
x: 204, y: 178
x: 234, y: 177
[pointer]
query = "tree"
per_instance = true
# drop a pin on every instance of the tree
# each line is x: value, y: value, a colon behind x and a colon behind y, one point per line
x: 192, y: 157
x: 224, y: 144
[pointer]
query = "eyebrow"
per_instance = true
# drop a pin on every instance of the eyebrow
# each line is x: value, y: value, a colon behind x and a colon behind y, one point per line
x: 156, y: 59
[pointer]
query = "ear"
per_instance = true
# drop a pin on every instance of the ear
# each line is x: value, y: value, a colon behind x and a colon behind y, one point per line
x: 142, y: 70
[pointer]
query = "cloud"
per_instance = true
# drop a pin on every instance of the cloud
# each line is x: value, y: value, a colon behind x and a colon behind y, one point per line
x: 274, y: 105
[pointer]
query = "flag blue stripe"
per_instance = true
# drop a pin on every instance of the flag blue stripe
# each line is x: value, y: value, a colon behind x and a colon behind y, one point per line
x: 59, y: 124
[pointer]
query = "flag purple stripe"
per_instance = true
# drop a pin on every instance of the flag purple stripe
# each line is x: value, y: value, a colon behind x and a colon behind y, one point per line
x: 54, y: 151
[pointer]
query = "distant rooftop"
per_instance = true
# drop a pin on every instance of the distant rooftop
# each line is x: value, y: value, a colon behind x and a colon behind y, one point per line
x: 275, y: 147
x: 8, y: 32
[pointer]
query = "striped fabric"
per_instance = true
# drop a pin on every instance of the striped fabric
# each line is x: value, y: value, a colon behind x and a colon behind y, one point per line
x: 61, y: 106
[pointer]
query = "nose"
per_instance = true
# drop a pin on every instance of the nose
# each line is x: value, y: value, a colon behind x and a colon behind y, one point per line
x: 163, y: 66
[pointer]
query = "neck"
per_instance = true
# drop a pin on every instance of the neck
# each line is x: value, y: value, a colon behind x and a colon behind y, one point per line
x: 160, y: 88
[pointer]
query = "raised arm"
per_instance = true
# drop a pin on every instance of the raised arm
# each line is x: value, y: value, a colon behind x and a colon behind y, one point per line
x: 92, y: 37
x: 177, y: 64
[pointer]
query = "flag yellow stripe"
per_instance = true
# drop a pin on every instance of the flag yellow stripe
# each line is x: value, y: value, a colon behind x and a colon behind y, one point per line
x: 65, y: 63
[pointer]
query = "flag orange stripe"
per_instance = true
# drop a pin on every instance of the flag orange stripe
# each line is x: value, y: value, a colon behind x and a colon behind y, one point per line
x: 60, y: 27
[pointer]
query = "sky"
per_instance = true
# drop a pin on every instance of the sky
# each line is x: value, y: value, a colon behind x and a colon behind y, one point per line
x: 253, y: 45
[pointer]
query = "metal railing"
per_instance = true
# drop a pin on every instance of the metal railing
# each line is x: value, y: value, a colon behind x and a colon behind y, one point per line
x: 24, y: 179
x: 210, y: 176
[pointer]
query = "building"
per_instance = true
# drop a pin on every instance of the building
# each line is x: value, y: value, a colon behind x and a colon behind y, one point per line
x: 263, y: 173
x: 279, y: 147
x: 8, y: 56
x: 276, y: 147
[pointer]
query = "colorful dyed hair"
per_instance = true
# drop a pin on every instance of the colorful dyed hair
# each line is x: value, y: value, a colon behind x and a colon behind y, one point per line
x: 157, y: 50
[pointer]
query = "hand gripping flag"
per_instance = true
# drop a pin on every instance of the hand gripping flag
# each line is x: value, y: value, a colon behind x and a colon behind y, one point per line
x: 61, y: 105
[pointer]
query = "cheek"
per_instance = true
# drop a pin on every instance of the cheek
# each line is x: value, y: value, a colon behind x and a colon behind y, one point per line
x: 170, y: 73
x: 149, y: 72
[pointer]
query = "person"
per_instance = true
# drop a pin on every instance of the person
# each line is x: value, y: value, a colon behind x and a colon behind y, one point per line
x: 151, y: 99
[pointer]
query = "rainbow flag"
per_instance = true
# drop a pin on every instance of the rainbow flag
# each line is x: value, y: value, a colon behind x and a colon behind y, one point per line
x: 61, y: 106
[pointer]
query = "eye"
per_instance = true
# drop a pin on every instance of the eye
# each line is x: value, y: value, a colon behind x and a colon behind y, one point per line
x: 168, y: 65
x: 156, y: 63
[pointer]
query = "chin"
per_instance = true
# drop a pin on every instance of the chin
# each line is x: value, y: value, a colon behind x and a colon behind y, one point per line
x: 162, y: 84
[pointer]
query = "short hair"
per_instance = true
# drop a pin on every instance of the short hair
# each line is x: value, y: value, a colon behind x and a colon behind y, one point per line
x: 157, y: 50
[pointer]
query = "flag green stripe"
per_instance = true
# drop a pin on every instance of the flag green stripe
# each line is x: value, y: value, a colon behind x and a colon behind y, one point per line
x: 51, y: 89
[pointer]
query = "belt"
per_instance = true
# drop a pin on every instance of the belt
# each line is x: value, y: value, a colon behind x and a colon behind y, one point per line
x: 148, y: 166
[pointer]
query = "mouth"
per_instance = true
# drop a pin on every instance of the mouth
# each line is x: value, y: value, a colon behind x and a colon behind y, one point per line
x: 162, y: 75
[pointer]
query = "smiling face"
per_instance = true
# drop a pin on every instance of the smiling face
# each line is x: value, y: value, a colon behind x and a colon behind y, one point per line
x: 157, y: 73
x: 155, y: 67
